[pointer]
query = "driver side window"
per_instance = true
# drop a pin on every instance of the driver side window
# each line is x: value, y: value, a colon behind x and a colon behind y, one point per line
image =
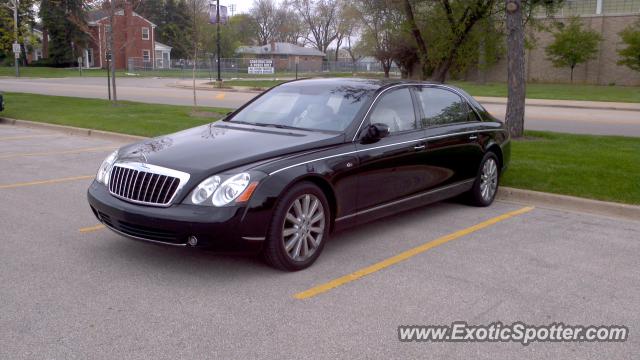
x: 395, y: 109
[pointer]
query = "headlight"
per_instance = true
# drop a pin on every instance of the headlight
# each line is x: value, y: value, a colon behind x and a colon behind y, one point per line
x: 204, y: 191
x: 230, y: 189
x: 105, y: 168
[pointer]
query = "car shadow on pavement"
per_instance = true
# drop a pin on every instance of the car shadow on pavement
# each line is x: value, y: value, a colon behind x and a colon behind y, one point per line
x: 218, y: 265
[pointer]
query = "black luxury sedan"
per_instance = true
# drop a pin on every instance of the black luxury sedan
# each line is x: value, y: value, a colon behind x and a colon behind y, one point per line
x: 307, y: 157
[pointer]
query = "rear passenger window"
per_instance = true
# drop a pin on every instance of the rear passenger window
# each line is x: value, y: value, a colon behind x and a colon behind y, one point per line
x: 441, y: 107
x: 395, y: 109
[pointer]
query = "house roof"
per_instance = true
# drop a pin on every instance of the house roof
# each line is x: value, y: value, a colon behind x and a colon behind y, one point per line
x: 281, y: 48
x: 93, y: 16
x: 161, y: 46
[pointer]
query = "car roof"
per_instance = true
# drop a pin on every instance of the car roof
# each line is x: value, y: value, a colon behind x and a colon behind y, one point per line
x: 373, y: 84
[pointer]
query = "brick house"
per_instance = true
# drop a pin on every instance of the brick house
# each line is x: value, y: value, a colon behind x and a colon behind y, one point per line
x: 134, y: 39
x: 285, y: 55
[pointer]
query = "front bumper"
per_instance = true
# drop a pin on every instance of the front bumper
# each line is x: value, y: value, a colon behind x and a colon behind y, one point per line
x: 223, y: 228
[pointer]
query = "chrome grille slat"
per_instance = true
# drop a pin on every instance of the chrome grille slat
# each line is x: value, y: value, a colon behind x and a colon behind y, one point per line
x: 146, y: 184
x: 140, y: 187
x: 164, y: 181
x: 169, y: 190
x: 132, y: 188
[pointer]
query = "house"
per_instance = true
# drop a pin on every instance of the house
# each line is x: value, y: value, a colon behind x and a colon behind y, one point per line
x: 134, y: 41
x: 285, y: 56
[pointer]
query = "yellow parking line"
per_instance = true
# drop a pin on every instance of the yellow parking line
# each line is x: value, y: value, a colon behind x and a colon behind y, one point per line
x: 91, y: 228
x: 44, y: 153
x: 42, y: 182
x: 22, y: 137
x: 316, y: 290
x: 220, y: 96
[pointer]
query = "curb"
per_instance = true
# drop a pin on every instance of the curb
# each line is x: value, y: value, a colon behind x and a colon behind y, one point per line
x: 100, y: 134
x: 569, y: 203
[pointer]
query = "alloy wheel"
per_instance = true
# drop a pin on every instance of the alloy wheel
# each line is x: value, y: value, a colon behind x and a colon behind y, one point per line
x: 303, y: 227
x: 489, y: 179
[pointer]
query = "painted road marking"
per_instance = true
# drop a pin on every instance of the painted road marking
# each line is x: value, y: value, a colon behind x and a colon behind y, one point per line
x: 91, y: 228
x: 76, y: 151
x: 220, y: 96
x: 22, y: 137
x: 316, y: 290
x: 43, y: 182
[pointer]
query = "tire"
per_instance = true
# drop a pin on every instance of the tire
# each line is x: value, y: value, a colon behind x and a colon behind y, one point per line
x: 487, y: 181
x: 302, y: 213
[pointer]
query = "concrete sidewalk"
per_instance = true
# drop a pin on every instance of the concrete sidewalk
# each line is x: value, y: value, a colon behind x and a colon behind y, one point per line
x: 600, y: 105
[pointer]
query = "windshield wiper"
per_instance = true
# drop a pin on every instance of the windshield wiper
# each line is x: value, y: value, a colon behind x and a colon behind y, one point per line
x: 279, y: 126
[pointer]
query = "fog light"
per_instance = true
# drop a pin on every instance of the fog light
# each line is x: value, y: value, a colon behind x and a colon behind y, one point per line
x: 193, y: 241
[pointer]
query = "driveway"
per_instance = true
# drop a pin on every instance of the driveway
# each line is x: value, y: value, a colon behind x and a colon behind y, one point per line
x: 71, y: 289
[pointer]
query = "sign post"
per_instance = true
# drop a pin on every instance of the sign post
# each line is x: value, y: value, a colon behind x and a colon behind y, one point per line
x: 16, y: 52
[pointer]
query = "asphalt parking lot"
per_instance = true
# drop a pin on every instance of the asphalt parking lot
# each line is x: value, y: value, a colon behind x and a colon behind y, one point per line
x: 72, y: 290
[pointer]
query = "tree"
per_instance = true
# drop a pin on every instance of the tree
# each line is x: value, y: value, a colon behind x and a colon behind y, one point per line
x: 26, y: 20
x: 461, y: 16
x: 289, y: 27
x: 60, y: 19
x: 573, y: 45
x: 264, y: 12
x: 381, y: 24
x: 516, y: 84
x: 630, y: 55
x: 321, y: 19
x: 199, y: 19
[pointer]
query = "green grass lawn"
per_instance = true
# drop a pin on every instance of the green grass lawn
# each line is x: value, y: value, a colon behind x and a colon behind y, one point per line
x: 596, y: 167
x: 559, y: 91
x: 127, y: 117
x: 47, y: 72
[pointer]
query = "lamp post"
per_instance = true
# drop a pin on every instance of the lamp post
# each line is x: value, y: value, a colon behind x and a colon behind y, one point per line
x: 219, y: 79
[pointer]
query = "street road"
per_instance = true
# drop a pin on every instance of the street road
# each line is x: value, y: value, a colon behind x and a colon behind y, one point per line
x: 72, y: 290
x: 571, y: 120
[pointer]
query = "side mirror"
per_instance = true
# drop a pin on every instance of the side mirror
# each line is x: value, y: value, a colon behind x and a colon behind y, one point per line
x: 377, y: 131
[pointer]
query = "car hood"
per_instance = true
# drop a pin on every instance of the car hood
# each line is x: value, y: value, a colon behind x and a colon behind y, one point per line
x: 216, y: 147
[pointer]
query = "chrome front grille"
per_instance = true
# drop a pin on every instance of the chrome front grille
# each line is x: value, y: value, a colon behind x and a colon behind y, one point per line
x: 145, y: 184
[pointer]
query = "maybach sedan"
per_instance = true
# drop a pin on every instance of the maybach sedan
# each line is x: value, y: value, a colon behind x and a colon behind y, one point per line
x: 279, y: 175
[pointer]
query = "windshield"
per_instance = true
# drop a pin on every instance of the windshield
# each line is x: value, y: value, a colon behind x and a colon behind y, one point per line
x: 307, y: 105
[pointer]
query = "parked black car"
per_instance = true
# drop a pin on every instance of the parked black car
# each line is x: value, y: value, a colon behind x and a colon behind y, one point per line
x: 299, y: 161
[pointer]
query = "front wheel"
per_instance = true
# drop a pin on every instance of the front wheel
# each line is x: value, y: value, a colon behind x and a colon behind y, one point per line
x: 485, y: 186
x: 299, y: 228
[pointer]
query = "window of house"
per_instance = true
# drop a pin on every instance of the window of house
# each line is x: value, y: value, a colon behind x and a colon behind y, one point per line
x: 145, y: 33
x: 146, y: 55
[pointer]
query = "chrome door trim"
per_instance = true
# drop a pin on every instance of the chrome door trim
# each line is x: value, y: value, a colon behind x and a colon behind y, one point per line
x: 436, y: 137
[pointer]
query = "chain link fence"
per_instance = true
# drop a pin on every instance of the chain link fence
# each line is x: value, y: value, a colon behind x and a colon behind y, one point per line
x: 239, y: 68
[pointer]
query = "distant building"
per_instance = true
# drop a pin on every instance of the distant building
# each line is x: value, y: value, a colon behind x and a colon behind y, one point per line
x: 285, y: 56
x: 134, y: 41
x: 607, y: 17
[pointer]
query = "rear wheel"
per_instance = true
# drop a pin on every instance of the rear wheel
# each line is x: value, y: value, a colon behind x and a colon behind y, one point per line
x: 299, y: 228
x: 485, y: 186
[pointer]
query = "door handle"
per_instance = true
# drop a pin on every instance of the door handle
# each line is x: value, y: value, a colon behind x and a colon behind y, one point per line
x: 420, y: 147
x: 473, y: 137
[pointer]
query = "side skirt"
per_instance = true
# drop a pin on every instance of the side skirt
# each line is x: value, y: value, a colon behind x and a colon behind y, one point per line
x: 407, y: 203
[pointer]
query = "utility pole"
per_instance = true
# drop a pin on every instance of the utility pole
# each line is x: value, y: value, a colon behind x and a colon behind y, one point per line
x: 219, y: 79
x: 16, y: 45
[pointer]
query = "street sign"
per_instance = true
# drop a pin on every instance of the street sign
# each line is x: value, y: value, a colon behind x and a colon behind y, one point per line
x: 260, y: 66
x: 16, y: 48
